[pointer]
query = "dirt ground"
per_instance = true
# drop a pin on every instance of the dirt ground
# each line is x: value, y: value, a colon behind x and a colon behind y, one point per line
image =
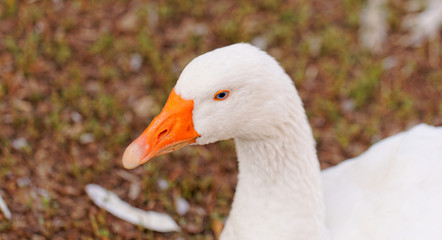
x: 80, y: 79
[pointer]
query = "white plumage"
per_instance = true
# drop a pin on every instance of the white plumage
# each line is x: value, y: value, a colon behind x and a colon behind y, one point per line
x: 392, y: 191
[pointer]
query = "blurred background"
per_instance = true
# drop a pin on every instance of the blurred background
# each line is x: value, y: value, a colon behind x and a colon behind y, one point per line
x: 81, y: 79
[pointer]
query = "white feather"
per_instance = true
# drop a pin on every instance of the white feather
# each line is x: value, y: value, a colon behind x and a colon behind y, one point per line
x: 425, y: 25
x: 373, y: 30
x: 4, y: 208
x: 422, y: 26
x: 109, y: 201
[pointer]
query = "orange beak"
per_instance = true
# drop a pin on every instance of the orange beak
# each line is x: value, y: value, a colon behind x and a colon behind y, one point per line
x: 170, y: 130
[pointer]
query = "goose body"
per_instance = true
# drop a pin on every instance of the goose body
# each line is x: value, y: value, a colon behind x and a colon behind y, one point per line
x: 393, y: 191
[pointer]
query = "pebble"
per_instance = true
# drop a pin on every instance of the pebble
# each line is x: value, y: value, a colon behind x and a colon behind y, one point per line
x: 19, y: 143
x: 76, y: 117
x: 260, y: 42
x: 348, y: 105
x: 162, y: 184
x: 182, y: 206
x: 136, y: 61
x: 143, y: 107
x: 86, y: 138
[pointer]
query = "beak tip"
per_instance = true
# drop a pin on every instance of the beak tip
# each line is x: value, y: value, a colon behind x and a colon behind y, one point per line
x: 132, y: 156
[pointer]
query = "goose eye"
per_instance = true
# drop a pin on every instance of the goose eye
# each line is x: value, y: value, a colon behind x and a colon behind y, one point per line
x: 221, y: 95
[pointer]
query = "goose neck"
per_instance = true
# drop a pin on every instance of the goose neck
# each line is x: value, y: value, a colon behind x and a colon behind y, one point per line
x: 279, y: 191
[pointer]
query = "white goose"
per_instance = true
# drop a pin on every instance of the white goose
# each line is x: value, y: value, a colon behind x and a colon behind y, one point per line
x: 393, y: 191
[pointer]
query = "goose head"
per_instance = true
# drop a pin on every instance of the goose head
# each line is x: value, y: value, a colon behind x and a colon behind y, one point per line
x: 237, y: 92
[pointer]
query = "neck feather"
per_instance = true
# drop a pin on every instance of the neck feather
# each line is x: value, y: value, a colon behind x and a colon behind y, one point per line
x: 279, y: 191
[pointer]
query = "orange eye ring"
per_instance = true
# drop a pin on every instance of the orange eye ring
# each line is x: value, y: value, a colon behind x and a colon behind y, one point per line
x: 221, y: 95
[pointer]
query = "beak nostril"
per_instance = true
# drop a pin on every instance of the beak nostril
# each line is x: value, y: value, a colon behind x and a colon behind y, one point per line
x: 161, y: 134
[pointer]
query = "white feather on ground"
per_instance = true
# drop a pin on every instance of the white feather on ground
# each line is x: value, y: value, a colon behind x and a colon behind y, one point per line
x: 4, y: 208
x: 109, y: 201
x: 425, y: 25
x: 373, y: 31
x: 422, y: 26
